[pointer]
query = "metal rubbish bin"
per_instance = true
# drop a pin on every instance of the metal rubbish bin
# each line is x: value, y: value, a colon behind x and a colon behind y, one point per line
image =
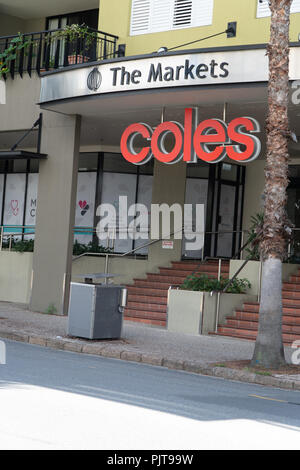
x: 96, y: 310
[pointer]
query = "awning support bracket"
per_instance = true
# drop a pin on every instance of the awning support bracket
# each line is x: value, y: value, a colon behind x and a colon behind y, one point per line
x: 38, y: 123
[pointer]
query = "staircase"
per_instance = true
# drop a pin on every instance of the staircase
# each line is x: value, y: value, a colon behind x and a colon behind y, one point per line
x: 244, y: 324
x: 147, y: 298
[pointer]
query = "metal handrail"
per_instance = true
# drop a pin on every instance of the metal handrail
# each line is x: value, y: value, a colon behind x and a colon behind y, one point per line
x: 244, y: 264
x: 153, y: 242
x: 54, y: 31
x: 44, y: 51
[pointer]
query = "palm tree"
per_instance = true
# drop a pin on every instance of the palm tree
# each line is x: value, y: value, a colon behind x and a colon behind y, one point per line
x: 269, y: 352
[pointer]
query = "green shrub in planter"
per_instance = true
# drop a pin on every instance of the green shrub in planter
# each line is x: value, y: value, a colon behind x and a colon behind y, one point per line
x: 23, y: 246
x: 92, y: 247
x: 203, y: 283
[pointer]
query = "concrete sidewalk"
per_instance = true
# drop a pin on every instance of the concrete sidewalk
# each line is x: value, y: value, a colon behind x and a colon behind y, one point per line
x: 141, y: 343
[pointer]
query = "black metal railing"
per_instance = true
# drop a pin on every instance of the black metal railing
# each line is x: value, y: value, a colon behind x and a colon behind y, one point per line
x: 49, y: 50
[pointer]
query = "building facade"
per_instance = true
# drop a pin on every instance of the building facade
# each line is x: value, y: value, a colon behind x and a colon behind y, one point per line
x: 140, y: 61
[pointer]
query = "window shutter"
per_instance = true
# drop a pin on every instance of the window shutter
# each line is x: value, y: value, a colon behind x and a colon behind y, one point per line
x: 183, y: 10
x: 140, y: 16
x: 161, y: 15
x: 263, y: 9
x: 295, y: 6
x: 202, y: 12
x: 151, y: 16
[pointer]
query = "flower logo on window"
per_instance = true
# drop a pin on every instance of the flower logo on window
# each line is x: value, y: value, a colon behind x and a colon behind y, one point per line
x: 14, y: 204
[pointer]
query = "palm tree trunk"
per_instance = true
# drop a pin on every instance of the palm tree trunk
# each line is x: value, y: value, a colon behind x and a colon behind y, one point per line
x: 269, y: 350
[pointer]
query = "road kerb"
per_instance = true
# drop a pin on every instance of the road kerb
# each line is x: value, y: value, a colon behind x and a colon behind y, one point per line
x: 195, y: 367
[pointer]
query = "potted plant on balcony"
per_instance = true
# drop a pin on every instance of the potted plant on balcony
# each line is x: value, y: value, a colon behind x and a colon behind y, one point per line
x: 80, y: 37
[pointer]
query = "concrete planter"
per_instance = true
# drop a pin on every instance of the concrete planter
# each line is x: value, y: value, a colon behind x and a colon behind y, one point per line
x: 15, y: 276
x: 194, y: 312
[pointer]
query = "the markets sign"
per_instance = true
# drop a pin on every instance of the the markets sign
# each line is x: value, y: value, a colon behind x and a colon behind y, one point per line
x: 156, y: 71
x: 210, y: 140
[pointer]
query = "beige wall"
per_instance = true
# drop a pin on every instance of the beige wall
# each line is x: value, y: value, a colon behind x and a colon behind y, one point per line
x: 250, y: 30
x: 10, y: 25
x: 15, y: 276
x: 254, y: 187
x: 21, y: 110
x: 16, y: 272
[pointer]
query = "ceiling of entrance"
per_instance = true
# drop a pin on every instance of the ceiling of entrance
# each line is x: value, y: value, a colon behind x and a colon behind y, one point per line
x: 28, y: 9
x: 105, y: 117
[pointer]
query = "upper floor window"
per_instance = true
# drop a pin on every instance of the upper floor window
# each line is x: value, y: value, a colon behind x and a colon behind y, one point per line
x: 89, y: 18
x: 263, y: 9
x: 152, y: 16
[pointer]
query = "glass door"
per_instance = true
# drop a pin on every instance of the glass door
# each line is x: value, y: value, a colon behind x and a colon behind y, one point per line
x: 227, y: 211
x: 225, y: 227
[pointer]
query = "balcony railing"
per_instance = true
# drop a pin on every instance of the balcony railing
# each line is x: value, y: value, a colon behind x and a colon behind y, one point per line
x: 49, y: 50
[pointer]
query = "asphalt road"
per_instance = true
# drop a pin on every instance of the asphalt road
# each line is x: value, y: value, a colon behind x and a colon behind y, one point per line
x: 53, y: 399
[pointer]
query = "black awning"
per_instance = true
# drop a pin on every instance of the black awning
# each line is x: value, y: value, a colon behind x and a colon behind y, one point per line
x: 21, y: 154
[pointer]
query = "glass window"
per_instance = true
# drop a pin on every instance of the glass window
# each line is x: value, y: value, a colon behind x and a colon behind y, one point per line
x: 228, y: 172
x: 88, y: 17
x: 116, y: 163
x: 88, y: 162
x: 294, y: 171
x: 197, y: 170
x: 19, y: 166
x: 34, y: 166
x: 147, y: 168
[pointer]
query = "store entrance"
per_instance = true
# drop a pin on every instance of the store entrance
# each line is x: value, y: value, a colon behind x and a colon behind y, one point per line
x: 221, y: 189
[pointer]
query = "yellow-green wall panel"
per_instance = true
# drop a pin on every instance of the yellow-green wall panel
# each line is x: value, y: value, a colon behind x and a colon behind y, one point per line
x: 115, y: 18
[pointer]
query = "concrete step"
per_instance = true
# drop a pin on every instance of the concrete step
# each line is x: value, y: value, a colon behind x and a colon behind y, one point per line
x: 234, y: 322
x: 147, y: 291
x: 176, y: 272
x: 147, y: 298
x: 287, y: 317
x: 286, y: 309
x: 291, y: 294
x: 146, y: 321
x: 152, y: 284
x: 292, y: 286
x: 205, y: 267
x: 172, y: 279
x: 147, y: 305
x: 147, y: 314
x: 251, y: 334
